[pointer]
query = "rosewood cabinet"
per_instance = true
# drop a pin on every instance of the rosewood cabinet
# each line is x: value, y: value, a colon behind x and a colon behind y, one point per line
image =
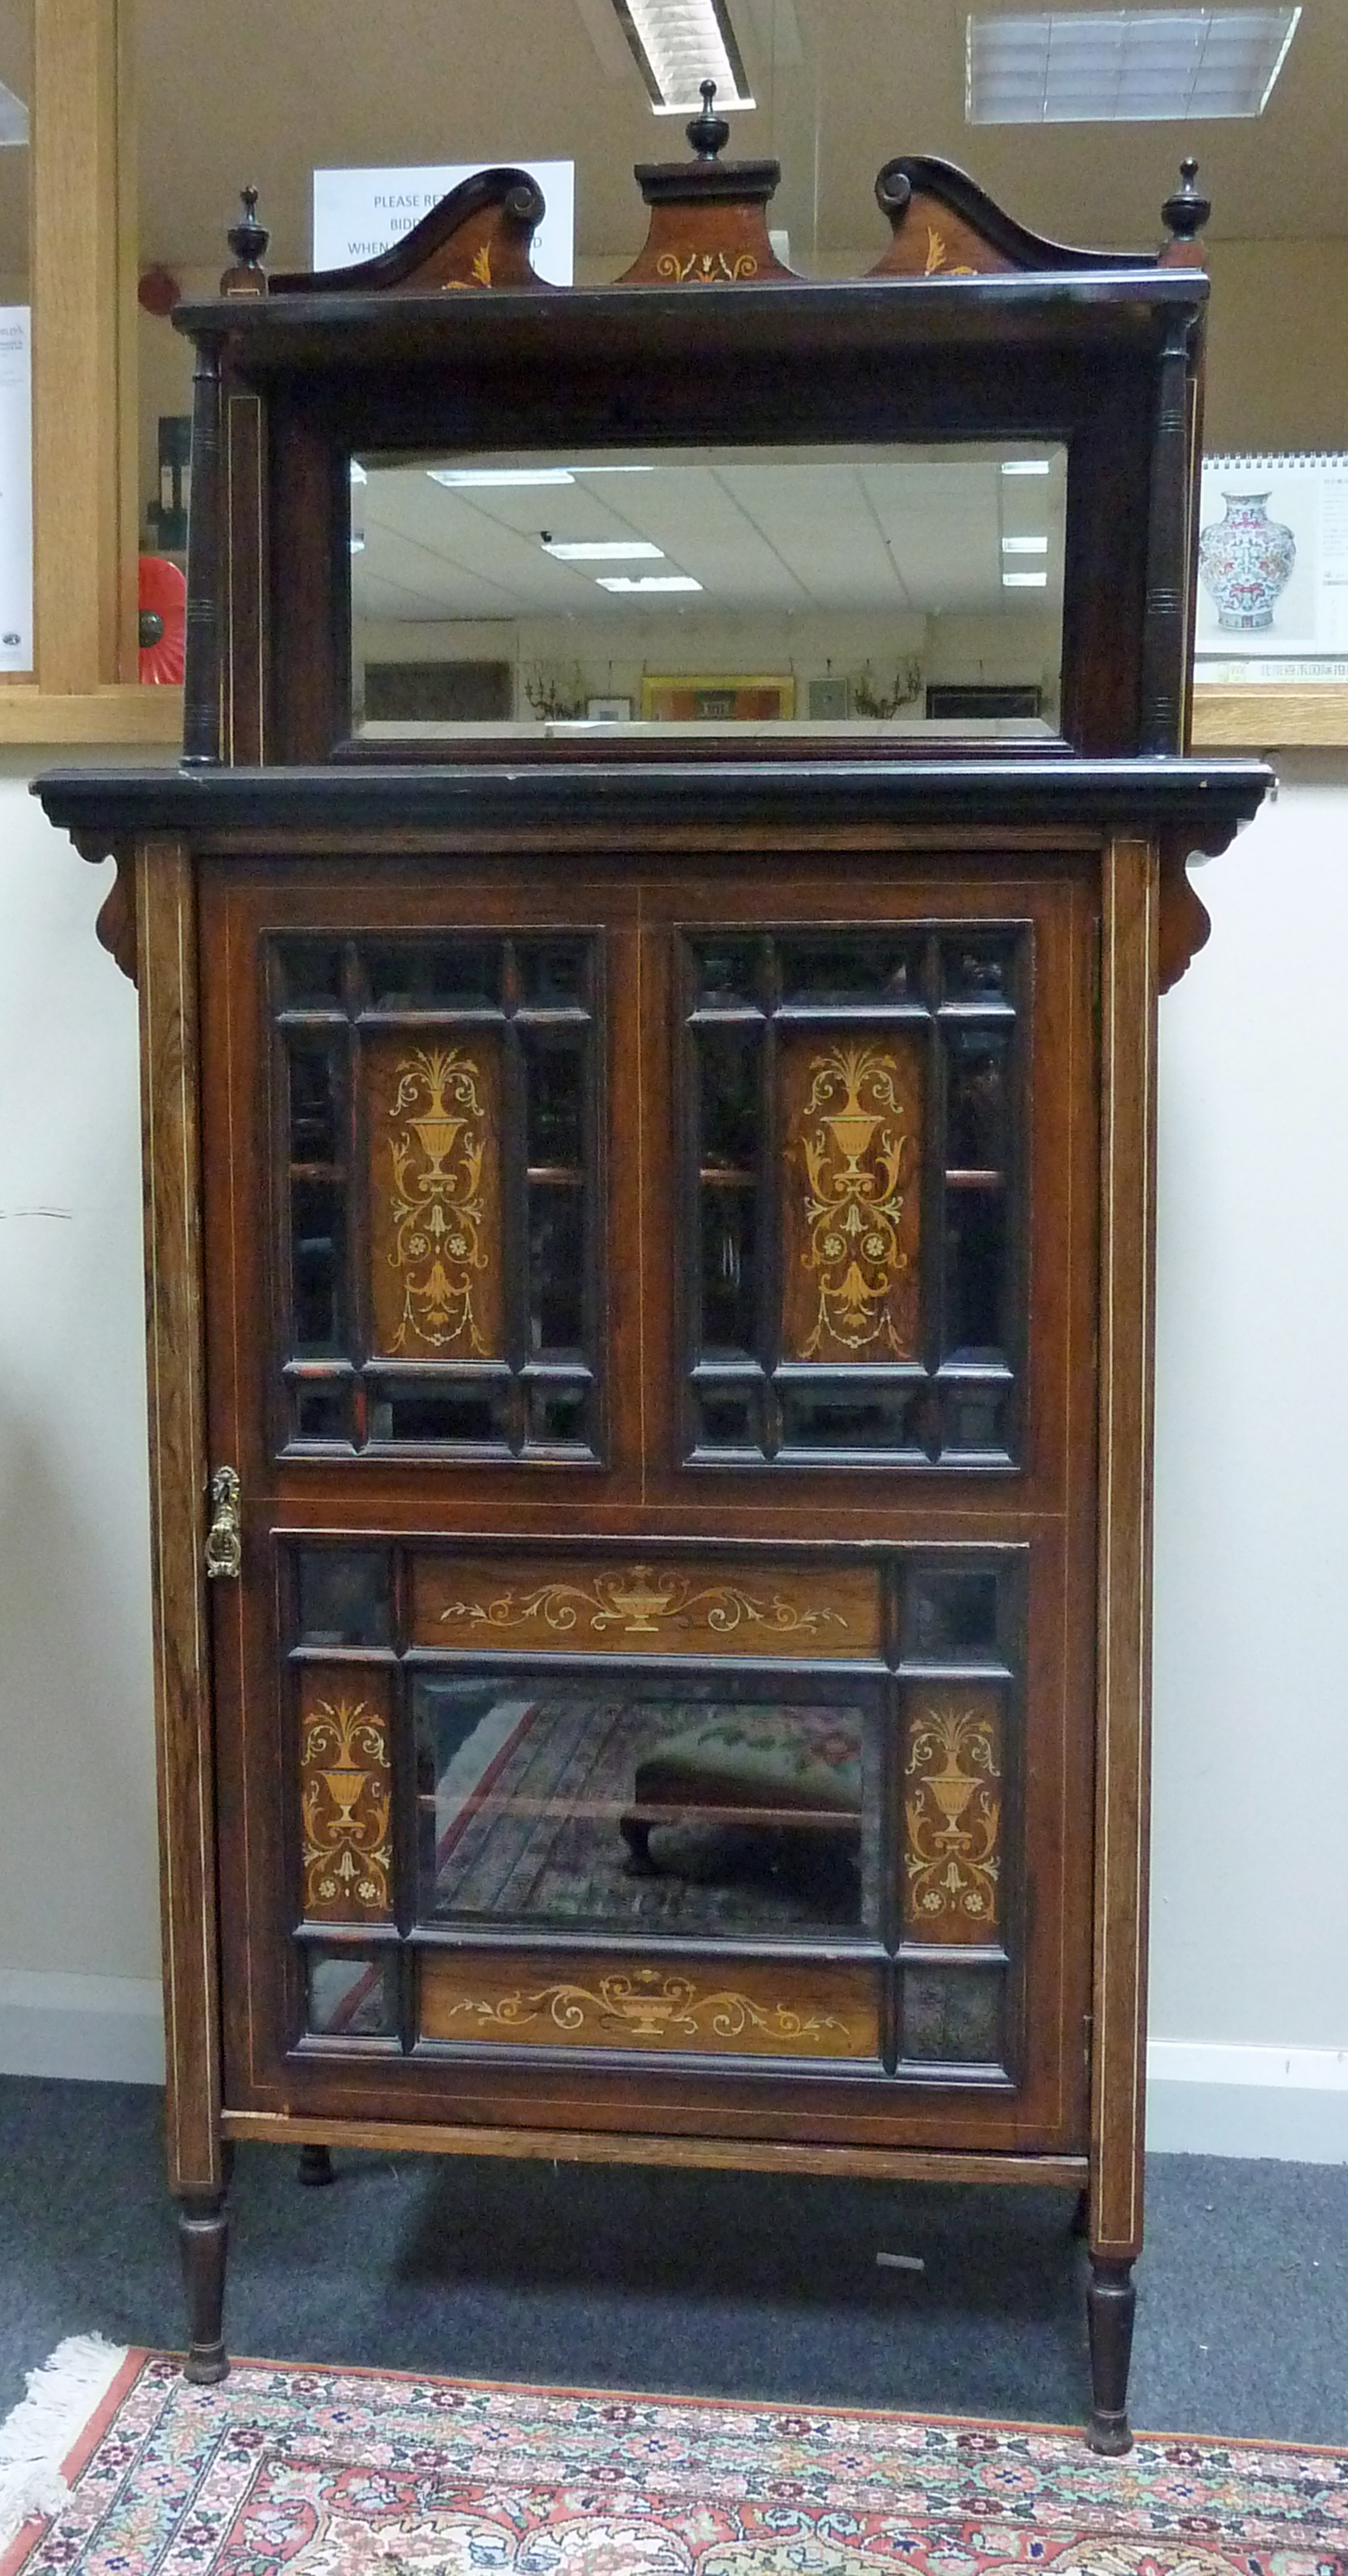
x: 649, y: 1224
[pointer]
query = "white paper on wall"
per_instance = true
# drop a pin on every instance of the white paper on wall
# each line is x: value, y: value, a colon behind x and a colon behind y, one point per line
x: 358, y: 213
x: 1273, y: 568
x: 16, y: 489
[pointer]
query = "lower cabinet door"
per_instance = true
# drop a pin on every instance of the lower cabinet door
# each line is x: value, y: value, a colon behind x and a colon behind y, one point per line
x: 657, y: 1697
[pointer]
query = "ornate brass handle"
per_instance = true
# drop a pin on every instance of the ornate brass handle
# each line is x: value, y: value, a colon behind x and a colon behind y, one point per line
x: 224, y: 1547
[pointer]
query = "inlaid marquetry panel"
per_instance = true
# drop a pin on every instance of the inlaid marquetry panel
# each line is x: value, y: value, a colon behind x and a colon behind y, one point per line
x: 346, y: 1795
x: 953, y: 1765
x: 851, y: 1131
x: 746, y: 2008
x: 433, y: 1124
x: 639, y: 1607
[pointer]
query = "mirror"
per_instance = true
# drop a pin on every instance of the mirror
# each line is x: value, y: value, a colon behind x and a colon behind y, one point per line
x: 853, y: 590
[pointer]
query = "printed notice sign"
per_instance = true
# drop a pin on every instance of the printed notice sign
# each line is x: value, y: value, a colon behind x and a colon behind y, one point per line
x: 1273, y: 568
x: 16, y: 490
x: 358, y: 213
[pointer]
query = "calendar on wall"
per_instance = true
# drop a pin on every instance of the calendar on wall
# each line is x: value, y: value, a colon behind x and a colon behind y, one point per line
x: 1273, y: 569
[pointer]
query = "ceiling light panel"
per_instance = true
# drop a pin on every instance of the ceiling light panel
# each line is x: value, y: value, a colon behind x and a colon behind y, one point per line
x: 649, y: 581
x: 681, y: 43
x: 1137, y: 66
x: 605, y: 550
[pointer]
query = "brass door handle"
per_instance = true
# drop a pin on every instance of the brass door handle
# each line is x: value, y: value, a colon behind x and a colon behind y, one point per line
x: 224, y: 1547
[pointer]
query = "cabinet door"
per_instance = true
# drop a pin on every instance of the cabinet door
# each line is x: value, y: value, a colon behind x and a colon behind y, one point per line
x: 648, y: 1320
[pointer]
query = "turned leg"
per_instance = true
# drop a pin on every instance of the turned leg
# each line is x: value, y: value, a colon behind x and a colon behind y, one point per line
x: 636, y: 1833
x: 315, y: 2167
x: 203, y: 2235
x: 1110, y: 2301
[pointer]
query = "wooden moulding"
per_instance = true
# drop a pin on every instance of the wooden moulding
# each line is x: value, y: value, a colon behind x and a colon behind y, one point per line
x: 478, y: 236
x: 167, y: 975
x: 945, y: 225
x: 1123, y: 1684
x: 610, y: 2147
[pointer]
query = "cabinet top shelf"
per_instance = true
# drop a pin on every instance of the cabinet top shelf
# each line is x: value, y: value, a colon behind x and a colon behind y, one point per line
x: 1206, y: 798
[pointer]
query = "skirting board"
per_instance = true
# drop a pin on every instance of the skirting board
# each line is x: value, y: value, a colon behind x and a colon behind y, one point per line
x: 1203, y: 2097
x: 106, y: 2029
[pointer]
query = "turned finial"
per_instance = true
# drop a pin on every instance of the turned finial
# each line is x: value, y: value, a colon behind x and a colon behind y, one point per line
x: 248, y: 238
x: 1185, y: 213
x: 708, y: 133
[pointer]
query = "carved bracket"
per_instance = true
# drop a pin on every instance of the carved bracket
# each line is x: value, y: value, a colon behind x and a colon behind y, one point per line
x: 1184, y: 923
x: 116, y: 924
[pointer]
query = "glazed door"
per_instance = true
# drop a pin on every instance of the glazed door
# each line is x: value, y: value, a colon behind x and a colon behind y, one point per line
x: 650, y: 1314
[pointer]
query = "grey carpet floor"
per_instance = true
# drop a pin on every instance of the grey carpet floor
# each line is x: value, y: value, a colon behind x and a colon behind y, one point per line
x: 722, y: 2285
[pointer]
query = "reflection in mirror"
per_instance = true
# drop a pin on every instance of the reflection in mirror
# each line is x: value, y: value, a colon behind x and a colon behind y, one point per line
x: 652, y: 1805
x: 840, y: 590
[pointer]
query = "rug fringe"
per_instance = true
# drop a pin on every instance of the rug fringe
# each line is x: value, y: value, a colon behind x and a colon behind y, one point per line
x: 43, y: 2427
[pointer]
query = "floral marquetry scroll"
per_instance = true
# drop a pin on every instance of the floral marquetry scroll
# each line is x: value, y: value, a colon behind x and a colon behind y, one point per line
x: 851, y: 1126
x: 346, y: 1797
x: 953, y: 1763
x: 751, y: 2010
x: 433, y: 1122
x: 627, y: 1608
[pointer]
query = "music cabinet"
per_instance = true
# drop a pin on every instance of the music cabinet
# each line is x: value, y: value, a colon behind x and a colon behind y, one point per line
x: 649, y: 1197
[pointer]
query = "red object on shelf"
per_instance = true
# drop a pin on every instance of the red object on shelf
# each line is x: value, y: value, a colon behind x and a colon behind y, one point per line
x: 163, y: 621
x: 158, y: 290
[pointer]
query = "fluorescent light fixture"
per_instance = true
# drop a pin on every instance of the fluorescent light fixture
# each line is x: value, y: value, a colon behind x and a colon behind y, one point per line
x: 607, y: 550
x: 678, y: 45
x: 497, y: 478
x: 358, y: 473
x: 1135, y: 65
x: 13, y: 117
x: 1026, y: 465
x: 358, y: 545
x: 1025, y: 545
x: 649, y: 581
x: 1025, y: 581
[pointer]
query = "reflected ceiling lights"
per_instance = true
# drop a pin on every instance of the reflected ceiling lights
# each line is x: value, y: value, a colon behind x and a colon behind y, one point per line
x: 1135, y: 65
x: 607, y: 550
x: 678, y: 45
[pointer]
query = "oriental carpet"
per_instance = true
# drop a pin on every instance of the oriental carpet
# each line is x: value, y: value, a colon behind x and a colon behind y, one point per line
x: 309, y: 2472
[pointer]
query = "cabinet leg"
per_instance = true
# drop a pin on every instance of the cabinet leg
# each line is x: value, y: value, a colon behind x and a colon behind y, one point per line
x: 203, y: 2235
x: 315, y: 2167
x: 1110, y: 2301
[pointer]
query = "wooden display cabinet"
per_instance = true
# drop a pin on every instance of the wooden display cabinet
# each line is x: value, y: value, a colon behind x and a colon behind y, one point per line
x: 649, y: 1233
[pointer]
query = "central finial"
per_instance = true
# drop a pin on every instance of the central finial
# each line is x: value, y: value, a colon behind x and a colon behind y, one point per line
x: 708, y: 133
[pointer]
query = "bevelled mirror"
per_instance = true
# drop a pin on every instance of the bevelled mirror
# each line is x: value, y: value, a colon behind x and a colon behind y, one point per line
x: 848, y: 590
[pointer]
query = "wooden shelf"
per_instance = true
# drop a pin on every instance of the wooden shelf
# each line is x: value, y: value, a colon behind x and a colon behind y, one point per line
x: 1267, y: 716
x: 107, y: 716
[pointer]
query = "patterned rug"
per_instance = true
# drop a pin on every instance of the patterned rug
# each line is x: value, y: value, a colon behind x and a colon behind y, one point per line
x: 307, y: 2472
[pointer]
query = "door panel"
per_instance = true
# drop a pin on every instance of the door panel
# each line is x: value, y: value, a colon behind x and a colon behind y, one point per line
x: 650, y: 1315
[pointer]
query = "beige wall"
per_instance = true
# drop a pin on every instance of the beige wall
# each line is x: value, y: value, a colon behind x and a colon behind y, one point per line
x: 78, y: 1876
x: 1278, y: 346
